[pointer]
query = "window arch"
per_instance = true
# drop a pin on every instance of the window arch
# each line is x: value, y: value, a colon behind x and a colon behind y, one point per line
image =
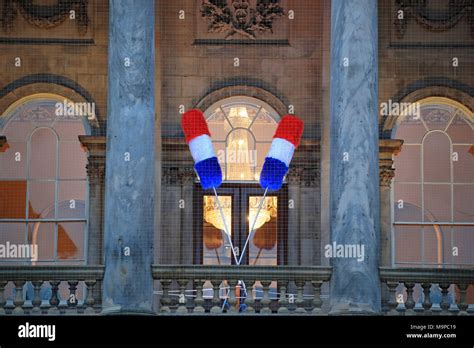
x: 242, y: 129
x: 43, y: 196
x: 433, y: 188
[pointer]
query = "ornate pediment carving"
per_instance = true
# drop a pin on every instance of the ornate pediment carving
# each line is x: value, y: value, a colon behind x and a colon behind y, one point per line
x: 45, y: 16
x: 239, y: 17
x: 433, y: 18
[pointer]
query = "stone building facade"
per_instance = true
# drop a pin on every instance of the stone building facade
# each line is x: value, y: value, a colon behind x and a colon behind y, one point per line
x: 272, y: 57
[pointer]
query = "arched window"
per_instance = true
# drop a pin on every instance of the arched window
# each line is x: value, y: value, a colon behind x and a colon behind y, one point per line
x: 242, y: 129
x: 434, y: 186
x: 43, y: 182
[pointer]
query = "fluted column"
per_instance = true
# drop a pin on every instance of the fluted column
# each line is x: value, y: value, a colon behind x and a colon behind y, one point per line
x: 129, y: 185
x: 354, y: 181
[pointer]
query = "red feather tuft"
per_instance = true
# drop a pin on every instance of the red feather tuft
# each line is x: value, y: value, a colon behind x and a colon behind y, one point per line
x: 290, y: 128
x: 194, y: 124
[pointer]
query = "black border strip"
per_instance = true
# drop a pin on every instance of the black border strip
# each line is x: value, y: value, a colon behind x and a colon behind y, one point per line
x: 263, y: 329
x: 282, y: 42
x: 429, y: 45
x: 47, y: 41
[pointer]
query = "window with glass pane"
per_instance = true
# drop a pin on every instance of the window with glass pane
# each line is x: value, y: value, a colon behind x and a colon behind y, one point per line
x: 242, y: 129
x: 263, y: 246
x: 217, y: 232
x: 434, y: 187
x: 43, y: 185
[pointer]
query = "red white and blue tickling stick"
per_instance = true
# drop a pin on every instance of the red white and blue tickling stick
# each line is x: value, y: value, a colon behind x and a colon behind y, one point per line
x: 206, y: 164
x: 199, y: 140
x: 277, y: 162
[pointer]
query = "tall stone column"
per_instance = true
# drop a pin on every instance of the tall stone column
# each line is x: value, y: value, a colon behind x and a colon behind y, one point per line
x: 354, y: 186
x: 95, y: 146
x: 130, y: 175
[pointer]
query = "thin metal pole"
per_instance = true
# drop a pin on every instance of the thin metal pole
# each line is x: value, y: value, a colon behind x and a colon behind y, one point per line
x: 253, y: 225
x: 225, y: 226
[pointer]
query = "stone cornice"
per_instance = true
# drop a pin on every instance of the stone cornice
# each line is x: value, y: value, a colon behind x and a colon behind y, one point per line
x: 177, y: 175
x: 178, y: 163
x: 95, y: 145
x: 388, y: 148
x: 303, y: 176
x: 176, y: 151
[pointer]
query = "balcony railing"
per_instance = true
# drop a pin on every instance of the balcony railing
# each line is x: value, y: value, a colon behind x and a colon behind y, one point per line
x: 79, y: 285
x: 196, y: 289
x: 450, y: 284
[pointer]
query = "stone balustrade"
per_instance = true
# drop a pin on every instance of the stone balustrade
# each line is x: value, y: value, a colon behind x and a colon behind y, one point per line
x: 242, y: 290
x: 449, y: 285
x: 56, y: 290
x: 197, y: 289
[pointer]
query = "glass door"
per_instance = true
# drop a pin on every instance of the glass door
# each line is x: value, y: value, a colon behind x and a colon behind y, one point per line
x: 243, y: 221
x: 262, y: 232
x: 217, y: 230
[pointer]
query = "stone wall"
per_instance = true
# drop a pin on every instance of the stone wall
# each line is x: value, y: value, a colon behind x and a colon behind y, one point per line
x: 287, y: 65
x: 290, y: 70
x: 421, y: 54
x: 62, y: 53
x: 292, y: 64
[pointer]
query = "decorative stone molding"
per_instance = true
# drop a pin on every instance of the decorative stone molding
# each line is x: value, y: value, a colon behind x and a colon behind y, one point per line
x: 178, y: 163
x: 45, y: 16
x: 177, y: 175
x: 95, y: 171
x: 310, y: 177
x: 45, y: 85
x: 307, y: 154
x: 420, y: 11
x: 96, y: 147
x: 445, y: 95
x: 239, y: 17
x: 386, y: 176
x: 242, y: 90
x: 187, y: 175
x: 388, y: 148
x: 295, y: 175
x: 303, y: 176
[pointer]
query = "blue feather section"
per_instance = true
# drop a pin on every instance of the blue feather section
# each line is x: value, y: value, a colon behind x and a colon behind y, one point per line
x: 209, y: 172
x: 272, y: 174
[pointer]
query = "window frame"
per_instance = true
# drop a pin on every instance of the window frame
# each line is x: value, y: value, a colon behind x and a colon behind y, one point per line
x: 466, y: 113
x: 243, y: 100
x: 8, y: 117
